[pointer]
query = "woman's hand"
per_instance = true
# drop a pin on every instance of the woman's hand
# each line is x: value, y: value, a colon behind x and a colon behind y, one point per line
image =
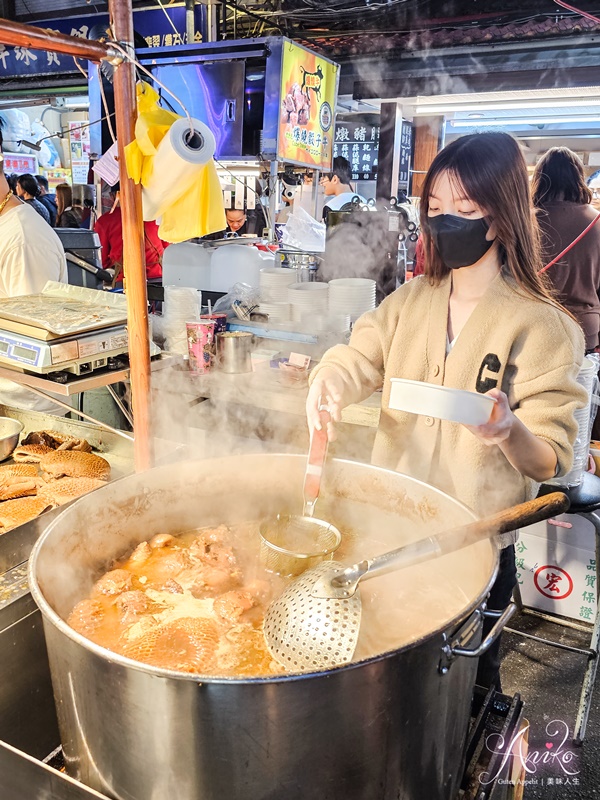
x: 528, y: 454
x: 500, y: 424
x: 327, y: 388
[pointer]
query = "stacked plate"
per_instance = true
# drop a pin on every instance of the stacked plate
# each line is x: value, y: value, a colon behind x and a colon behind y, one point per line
x: 277, y: 312
x: 274, y: 283
x: 353, y: 296
x: 333, y: 323
x: 306, y: 298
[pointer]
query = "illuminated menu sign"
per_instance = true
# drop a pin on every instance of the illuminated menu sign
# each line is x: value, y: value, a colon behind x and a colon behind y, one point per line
x: 406, y: 145
x: 308, y: 97
x: 359, y: 144
x: 358, y: 141
x: 20, y: 164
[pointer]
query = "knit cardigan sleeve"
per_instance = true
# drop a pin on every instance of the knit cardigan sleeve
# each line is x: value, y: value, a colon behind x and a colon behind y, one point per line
x: 544, y: 393
x: 361, y: 363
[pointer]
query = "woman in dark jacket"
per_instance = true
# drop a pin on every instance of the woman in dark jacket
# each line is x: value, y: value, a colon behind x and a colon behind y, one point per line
x: 563, y: 200
x: 67, y: 217
x: 28, y: 190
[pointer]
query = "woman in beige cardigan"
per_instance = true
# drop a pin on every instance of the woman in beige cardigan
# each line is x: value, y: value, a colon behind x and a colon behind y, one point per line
x: 480, y: 319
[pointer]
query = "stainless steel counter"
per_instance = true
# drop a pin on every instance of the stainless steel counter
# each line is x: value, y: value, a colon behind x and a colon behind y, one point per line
x: 28, y: 726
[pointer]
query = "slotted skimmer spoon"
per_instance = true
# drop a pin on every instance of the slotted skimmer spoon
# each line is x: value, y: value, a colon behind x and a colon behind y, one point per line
x: 291, y: 544
x: 315, y: 623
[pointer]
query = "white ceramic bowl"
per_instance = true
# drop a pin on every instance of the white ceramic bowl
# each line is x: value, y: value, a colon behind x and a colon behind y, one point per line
x: 441, y: 402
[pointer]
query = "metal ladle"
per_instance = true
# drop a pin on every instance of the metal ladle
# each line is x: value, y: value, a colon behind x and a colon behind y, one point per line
x: 315, y: 622
x: 290, y: 544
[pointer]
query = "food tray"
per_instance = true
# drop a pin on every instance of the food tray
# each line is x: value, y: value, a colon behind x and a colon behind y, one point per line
x: 64, y: 310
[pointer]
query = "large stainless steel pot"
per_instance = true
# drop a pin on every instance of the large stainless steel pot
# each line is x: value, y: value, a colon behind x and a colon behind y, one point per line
x: 392, y: 726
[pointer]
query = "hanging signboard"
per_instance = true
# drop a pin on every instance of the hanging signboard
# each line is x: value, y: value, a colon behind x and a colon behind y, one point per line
x: 358, y: 142
x: 309, y: 86
x: 20, y: 164
x: 164, y: 27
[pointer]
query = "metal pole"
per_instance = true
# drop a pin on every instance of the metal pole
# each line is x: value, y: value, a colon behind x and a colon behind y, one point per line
x: 273, y: 198
x: 190, y: 23
x: 315, y: 192
x: 18, y: 35
x: 133, y: 239
x: 212, y: 21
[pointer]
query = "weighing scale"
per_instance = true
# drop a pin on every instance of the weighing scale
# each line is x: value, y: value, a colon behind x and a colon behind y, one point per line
x: 65, y: 330
x: 77, y: 354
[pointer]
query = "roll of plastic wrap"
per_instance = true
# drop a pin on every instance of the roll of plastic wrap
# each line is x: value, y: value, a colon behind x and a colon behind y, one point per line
x: 178, y: 161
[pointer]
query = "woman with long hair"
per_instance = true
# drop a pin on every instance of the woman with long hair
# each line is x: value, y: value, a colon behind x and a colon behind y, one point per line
x: 482, y: 319
x: 564, y: 207
x: 67, y: 216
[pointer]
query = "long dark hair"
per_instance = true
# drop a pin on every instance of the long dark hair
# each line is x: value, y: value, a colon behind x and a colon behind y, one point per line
x: 64, y: 198
x: 558, y: 177
x: 489, y: 168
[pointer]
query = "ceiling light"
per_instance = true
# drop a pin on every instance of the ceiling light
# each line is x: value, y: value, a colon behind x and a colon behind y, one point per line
x: 450, y: 107
x: 499, y: 121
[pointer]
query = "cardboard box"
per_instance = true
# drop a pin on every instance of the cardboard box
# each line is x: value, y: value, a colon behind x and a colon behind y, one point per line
x: 556, y: 567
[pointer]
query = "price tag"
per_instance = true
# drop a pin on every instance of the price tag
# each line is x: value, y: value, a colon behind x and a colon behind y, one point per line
x: 299, y: 360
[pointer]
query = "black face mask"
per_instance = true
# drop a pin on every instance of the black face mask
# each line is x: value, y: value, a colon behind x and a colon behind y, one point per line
x: 460, y: 242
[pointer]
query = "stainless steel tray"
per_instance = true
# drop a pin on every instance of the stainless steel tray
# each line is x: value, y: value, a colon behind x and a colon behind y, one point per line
x: 16, y: 544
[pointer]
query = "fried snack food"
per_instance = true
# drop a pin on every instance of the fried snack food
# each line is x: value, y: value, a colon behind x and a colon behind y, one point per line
x: 18, y: 471
x: 63, y: 490
x: 30, y: 453
x: 18, y: 486
x: 74, y: 464
x: 57, y: 441
x: 17, y: 512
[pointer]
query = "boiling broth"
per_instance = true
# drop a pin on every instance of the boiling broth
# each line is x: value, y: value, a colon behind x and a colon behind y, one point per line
x: 163, y: 615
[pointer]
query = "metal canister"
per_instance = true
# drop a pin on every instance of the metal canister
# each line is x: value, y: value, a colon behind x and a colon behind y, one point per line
x: 233, y: 352
x: 200, y: 337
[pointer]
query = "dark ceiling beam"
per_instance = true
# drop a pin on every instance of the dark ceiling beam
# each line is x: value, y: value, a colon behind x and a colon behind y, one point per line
x: 7, y: 9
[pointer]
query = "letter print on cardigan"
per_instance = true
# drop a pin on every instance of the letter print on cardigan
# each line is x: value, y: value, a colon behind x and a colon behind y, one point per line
x: 491, y: 362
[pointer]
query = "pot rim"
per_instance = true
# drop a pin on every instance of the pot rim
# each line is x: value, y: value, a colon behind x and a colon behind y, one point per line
x: 51, y: 616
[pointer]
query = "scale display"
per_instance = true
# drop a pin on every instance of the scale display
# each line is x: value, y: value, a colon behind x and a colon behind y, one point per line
x: 77, y: 354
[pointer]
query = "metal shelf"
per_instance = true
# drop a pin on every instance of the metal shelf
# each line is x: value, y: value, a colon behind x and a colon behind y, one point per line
x: 78, y: 384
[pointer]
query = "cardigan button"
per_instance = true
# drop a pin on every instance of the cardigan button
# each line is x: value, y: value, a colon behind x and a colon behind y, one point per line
x: 435, y: 371
x: 429, y: 421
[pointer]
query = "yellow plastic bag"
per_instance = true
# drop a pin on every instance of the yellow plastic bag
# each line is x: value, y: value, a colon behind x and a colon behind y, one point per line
x: 199, y: 209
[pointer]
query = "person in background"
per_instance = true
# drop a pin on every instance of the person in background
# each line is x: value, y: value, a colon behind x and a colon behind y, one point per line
x: 30, y: 255
x: 28, y: 190
x: 68, y: 216
x: 241, y: 222
x: 563, y: 201
x: 481, y: 319
x: 245, y: 222
x: 47, y: 199
x: 289, y: 185
x: 12, y: 182
x: 109, y: 228
x: 337, y: 186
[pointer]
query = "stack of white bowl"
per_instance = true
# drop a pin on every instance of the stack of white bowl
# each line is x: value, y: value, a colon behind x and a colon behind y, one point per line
x: 327, y: 323
x: 274, y: 284
x: 277, y: 312
x: 353, y: 296
x: 311, y: 297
